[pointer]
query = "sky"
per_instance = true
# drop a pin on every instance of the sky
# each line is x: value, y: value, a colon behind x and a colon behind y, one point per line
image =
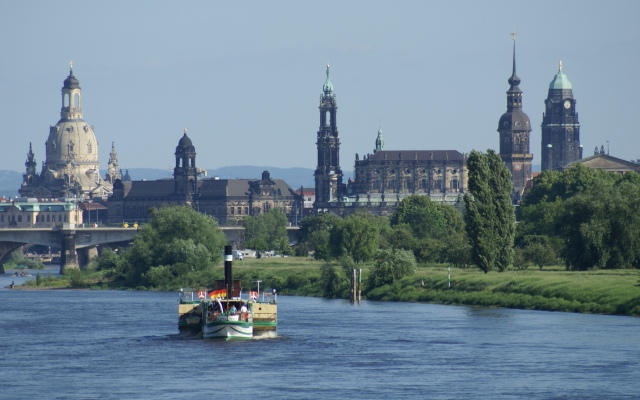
x: 245, y: 77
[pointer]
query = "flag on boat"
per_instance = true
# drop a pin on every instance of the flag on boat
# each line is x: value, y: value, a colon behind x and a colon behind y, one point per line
x: 253, y: 295
x: 220, y: 293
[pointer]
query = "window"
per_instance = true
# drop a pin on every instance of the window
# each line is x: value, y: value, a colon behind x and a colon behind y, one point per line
x: 19, y: 218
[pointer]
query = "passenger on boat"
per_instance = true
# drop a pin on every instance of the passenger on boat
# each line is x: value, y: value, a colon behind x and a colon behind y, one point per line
x: 233, y: 310
x: 244, y: 312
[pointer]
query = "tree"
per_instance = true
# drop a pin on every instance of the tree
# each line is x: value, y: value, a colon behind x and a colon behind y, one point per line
x: 357, y: 236
x: 175, y: 248
x: 315, y: 232
x: 267, y: 231
x: 489, y: 213
x: 390, y: 266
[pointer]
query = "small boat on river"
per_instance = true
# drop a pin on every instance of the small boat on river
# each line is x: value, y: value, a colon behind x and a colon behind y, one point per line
x: 221, y: 313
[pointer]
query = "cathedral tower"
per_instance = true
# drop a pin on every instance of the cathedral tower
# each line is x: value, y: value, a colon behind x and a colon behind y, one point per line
x: 328, y: 175
x: 560, y: 126
x: 514, y: 129
x: 185, y: 174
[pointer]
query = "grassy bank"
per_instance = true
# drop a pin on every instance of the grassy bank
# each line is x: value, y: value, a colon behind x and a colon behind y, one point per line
x: 602, y: 292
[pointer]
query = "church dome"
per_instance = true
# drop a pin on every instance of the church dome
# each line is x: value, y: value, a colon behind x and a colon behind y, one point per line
x: 560, y: 81
x: 517, y: 121
x: 71, y: 82
x: 185, y: 141
x: 72, y: 141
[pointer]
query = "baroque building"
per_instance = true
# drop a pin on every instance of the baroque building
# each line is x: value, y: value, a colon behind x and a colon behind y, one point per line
x: 226, y: 200
x: 384, y: 178
x: 560, y: 126
x: 71, y: 168
x: 514, y: 129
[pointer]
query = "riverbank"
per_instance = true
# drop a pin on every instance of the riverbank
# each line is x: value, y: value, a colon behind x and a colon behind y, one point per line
x: 614, y: 292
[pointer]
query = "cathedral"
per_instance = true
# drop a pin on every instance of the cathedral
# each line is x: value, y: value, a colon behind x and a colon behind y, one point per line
x: 71, y: 168
x: 384, y: 178
x: 226, y: 200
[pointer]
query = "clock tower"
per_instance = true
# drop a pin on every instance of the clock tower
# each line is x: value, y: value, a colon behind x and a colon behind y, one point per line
x: 514, y: 129
x: 560, y: 126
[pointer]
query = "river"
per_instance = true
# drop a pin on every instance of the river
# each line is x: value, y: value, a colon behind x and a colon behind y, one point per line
x: 83, y: 344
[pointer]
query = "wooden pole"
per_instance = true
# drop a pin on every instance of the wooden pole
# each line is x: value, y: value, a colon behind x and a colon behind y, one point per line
x: 359, y: 285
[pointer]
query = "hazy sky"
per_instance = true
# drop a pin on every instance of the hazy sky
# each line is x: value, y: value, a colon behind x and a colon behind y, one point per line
x: 245, y: 77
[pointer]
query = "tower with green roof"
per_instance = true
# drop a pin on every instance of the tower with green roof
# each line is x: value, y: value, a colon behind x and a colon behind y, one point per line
x: 560, y: 126
x: 328, y: 174
x: 514, y: 129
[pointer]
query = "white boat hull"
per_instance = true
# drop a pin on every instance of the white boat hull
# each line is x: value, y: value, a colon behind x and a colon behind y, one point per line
x: 223, y: 328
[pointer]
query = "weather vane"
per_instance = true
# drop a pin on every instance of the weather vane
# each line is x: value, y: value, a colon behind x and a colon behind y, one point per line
x: 514, y: 34
x: 71, y: 65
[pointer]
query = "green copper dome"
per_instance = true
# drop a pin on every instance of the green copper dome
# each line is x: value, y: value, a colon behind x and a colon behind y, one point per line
x: 327, y: 87
x: 560, y: 81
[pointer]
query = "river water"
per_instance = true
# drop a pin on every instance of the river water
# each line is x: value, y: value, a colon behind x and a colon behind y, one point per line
x: 83, y: 344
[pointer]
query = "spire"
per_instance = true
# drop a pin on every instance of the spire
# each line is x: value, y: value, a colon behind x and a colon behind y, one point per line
x: 327, y: 87
x: 514, y: 80
x: 514, y: 94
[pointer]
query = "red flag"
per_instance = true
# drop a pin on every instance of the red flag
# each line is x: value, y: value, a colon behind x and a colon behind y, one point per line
x: 220, y: 293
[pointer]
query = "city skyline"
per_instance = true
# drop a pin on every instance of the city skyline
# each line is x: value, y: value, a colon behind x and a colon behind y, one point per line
x: 245, y: 80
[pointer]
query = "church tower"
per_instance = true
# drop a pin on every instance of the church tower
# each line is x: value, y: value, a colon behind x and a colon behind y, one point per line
x: 185, y: 174
x: 328, y: 175
x: 113, y: 172
x: 30, y: 175
x: 514, y: 129
x: 560, y: 126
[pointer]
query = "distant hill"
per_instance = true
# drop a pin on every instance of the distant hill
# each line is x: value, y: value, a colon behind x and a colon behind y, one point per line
x: 10, y: 182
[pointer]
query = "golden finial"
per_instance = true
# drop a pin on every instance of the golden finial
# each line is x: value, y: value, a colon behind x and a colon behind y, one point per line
x: 71, y: 66
x: 185, y: 131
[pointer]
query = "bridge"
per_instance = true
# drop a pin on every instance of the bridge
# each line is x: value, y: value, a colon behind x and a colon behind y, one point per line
x: 79, y: 245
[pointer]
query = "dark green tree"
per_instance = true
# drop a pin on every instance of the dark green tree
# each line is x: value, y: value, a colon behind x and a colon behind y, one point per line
x: 267, y: 231
x: 489, y: 213
x: 178, y: 247
x: 390, y: 266
x: 357, y: 236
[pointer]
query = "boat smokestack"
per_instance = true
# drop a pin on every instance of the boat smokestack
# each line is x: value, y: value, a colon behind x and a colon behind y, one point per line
x: 228, y: 273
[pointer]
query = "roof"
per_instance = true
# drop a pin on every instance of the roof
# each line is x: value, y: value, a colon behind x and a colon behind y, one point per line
x: 159, y: 188
x: 606, y: 162
x: 420, y: 155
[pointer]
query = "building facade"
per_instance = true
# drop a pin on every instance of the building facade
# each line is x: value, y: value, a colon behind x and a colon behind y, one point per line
x: 560, y: 125
x: 514, y: 129
x: 39, y: 213
x: 71, y: 168
x: 226, y: 200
